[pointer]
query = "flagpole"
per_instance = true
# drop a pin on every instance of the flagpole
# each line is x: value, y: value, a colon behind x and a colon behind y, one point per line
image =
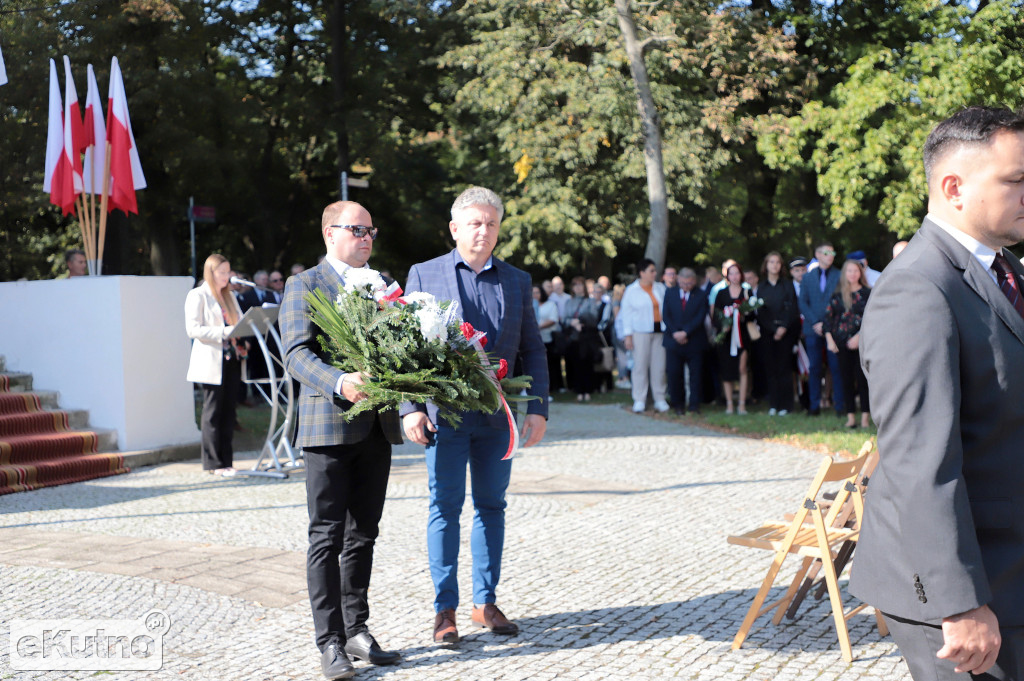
x: 83, y: 224
x: 103, y: 206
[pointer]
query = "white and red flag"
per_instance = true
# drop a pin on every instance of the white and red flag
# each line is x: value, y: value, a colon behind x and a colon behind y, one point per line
x: 58, y: 178
x: 95, y: 138
x: 125, y: 168
x: 3, y: 70
x: 74, y: 139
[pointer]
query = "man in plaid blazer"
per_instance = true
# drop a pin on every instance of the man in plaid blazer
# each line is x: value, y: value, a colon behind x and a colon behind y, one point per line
x: 495, y: 298
x: 347, y: 464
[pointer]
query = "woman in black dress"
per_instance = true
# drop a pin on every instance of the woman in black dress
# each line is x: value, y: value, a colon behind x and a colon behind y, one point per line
x: 733, y: 357
x: 842, y: 334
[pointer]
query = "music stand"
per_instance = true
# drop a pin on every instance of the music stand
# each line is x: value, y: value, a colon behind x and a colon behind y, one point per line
x: 257, y: 322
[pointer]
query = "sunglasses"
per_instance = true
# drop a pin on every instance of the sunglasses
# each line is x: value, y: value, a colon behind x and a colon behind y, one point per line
x: 276, y: 281
x: 826, y: 251
x: 359, y: 231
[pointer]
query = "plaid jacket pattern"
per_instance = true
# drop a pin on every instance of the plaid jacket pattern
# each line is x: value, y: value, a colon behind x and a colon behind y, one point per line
x: 320, y: 409
x: 518, y: 335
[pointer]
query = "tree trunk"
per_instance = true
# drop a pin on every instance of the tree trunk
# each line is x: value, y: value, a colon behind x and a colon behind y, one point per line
x: 339, y: 77
x: 657, y: 238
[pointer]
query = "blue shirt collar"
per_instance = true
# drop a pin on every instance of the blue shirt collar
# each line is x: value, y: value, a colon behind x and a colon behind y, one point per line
x: 459, y: 260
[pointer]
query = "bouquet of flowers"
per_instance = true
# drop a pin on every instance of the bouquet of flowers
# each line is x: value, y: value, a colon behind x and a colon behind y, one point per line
x: 414, y: 348
x: 728, y: 315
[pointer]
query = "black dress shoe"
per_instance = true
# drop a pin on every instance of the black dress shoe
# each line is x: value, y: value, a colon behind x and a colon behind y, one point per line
x: 335, y: 663
x: 680, y: 411
x: 363, y: 647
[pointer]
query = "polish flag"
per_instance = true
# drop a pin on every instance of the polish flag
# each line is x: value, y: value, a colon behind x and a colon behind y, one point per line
x: 74, y: 139
x: 95, y: 138
x: 3, y: 70
x: 125, y: 169
x: 57, y: 177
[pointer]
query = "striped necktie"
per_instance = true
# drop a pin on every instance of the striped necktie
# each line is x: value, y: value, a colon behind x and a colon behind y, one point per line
x: 1008, y: 282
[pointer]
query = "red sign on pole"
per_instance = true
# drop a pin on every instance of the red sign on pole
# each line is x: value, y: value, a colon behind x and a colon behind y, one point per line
x: 204, y: 214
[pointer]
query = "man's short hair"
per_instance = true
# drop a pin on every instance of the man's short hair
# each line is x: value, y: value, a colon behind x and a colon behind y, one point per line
x: 973, y: 126
x: 333, y: 210
x: 259, y: 273
x: 72, y: 252
x: 686, y: 272
x: 478, y: 196
x: 824, y: 244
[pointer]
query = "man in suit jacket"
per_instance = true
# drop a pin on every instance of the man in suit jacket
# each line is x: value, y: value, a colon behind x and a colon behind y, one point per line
x: 683, y: 312
x: 941, y: 551
x: 816, y: 290
x: 495, y: 298
x: 347, y: 464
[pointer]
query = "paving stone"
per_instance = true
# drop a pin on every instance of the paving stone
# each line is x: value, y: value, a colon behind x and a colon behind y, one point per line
x: 616, y: 565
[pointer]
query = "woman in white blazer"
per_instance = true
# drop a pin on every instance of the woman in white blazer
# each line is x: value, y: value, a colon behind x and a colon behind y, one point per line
x: 216, y: 361
x: 640, y: 321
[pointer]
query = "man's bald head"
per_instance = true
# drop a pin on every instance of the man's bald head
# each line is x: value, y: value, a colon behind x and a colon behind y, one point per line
x: 341, y: 243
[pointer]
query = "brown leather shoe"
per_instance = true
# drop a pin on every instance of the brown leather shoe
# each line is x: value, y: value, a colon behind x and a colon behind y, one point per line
x: 444, y: 628
x: 490, y: 617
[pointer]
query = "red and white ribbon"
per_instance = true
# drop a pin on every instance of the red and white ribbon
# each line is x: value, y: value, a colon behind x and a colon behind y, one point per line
x: 478, y: 339
x: 735, y: 340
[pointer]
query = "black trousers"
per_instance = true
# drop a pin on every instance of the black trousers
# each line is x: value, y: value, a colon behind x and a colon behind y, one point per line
x: 779, y: 370
x: 675, y: 362
x: 919, y: 641
x: 217, y: 422
x: 554, y: 368
x: 579, y: 363
x: 854, y: 381
x: 345, y: 489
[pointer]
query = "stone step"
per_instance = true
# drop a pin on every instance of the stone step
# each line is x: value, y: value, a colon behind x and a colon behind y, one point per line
x: 106, y: 439
x: 49, y: 400
x: 18, y: 382
x: 168, y: 454
x: 78, y: 419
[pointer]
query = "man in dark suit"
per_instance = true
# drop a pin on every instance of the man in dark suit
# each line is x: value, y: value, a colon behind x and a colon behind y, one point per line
x: 815, y: 291
x: 941, y: 551
x: 254, y: 297
x: 347, y: 464
x: 683, y: 312
x: 495, y: 298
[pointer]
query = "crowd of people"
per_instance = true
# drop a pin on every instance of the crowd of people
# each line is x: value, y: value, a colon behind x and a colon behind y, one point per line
x: 784, y: 333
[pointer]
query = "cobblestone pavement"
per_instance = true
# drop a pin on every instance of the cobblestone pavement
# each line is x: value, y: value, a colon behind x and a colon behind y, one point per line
x: 616, y: 565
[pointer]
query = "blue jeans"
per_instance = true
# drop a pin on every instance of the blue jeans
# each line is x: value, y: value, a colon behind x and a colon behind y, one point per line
x: 815, y: 347
x: 481, y: 446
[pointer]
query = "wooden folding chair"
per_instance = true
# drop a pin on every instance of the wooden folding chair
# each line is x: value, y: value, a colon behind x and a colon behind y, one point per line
x: 814, y: 535
x: 845, y: 553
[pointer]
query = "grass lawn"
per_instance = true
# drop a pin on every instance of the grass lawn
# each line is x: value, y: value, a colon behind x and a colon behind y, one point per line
x: 824, y: 433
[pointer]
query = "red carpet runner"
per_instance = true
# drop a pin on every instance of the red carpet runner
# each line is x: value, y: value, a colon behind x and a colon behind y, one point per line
x: 38, y: 449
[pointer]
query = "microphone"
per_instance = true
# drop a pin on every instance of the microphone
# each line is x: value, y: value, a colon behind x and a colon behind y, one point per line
x: 245, y: 282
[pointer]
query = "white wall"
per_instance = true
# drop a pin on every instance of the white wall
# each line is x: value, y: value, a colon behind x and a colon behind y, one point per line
x: 113, y: 345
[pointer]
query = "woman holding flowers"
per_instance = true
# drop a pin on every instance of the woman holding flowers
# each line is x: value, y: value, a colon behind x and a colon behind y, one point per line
x: 842, y: 334
x: 211, y: 313
x: 733, y: 339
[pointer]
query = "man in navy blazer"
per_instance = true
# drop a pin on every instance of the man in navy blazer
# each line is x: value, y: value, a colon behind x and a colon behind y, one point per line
x: 683, y: 312
x: 347, y: 463
x: 941, y: 548
x: 495, y: 298
x: 816, y: 290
